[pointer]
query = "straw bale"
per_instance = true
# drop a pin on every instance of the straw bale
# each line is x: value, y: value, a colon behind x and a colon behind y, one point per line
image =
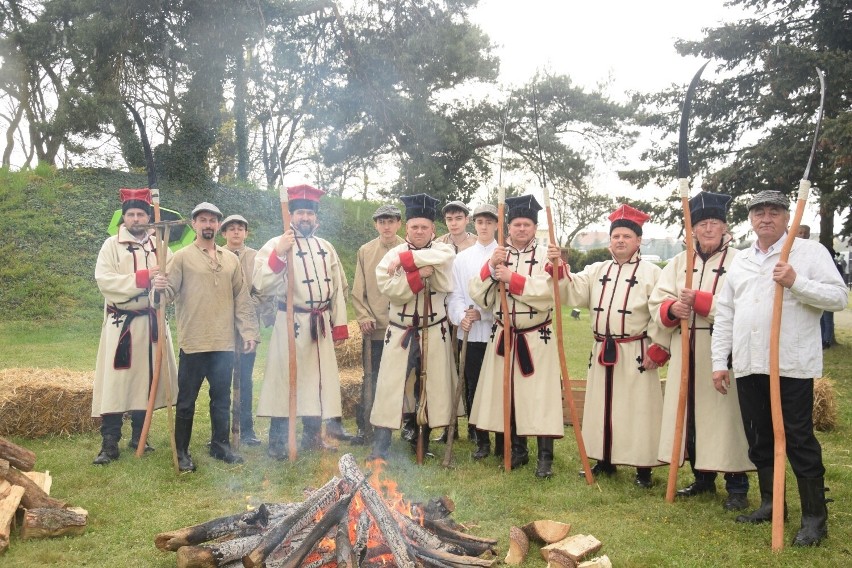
x: 38, y: 402
x: 825, y: 405
x: 350, y: 390
x: 349, y: 354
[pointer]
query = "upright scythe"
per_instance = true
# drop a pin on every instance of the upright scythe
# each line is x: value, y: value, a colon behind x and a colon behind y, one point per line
x: 291, y: 325
x: 504, y: 307
x: 774, y: 345
x: 683, y: 180
x: 557, y: 315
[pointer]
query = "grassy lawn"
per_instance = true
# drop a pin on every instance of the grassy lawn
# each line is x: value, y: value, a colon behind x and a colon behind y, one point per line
x: 132, y: 500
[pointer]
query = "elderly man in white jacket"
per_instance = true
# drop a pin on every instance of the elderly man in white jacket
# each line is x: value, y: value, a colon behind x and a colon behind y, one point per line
x: 741, y: 330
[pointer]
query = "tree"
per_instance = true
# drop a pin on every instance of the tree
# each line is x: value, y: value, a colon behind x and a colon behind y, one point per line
x: 753, y: 126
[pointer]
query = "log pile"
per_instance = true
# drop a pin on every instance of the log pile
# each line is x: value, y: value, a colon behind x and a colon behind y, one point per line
x: 26, y: 490
x: 558, y: 549
x: 347, y: 523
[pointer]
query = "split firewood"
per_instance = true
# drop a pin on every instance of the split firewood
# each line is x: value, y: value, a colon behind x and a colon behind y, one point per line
x: 5, y: 487
x: 558, y: 559
x: 48, y: 523
x: 42, y: 479
x: 303, y: 516
x: 379, y: 510
x: 17, y: 456
x: 34, y: 497
x: 344, y: 555
x: 4, y: 468
x: 599, y: 562
x: 577, y: 546
x: 8, y: 506
x: 519, y: 546
x: 546, y: 531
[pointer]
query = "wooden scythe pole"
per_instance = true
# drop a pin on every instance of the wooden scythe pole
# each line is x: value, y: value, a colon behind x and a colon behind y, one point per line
x: 422, y: 410
x: 557, y: 316
x: 683, y: 180
x: 291, y: 337
x: 504, y: 307
x: 780, y: 453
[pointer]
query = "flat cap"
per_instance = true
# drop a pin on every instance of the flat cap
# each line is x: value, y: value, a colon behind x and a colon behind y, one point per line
x: 769, y: 197
x: 486, y: 209
x: 232, y: 219
x: 206, y: 207
x: 455, y: 205
x: 387, y: 211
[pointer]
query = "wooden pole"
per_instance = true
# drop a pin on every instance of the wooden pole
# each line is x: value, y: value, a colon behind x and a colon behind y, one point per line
x: 236, y: 393
x: 291, y: 337
x: 685, y: 330
x: 507, y: 344
x: 422, y: 412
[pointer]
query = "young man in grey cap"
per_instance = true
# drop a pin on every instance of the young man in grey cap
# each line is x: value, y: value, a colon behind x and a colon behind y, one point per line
x: 455, y: 216
x: 211, y: 297
x: 235, y: 230
x: 474, y: 321
x: 370, y: 305
x: 741, y: 331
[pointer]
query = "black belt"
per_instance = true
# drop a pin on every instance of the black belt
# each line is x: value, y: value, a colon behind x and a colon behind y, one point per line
x: 413, y: 330
x: 608, y: 356
x: 124, y: 348
x: 522, y: 347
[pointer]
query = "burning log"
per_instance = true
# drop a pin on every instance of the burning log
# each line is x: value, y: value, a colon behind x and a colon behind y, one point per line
x: 422, y: 537
x: 457, y: 561
x: 470, y: 543
x: 362, y: 533
x: 519, y: 546
x: 17, y: 456
x: 301, y: 517
x: 344, y: 554
x: 546, y: 531
x: 48, y: 523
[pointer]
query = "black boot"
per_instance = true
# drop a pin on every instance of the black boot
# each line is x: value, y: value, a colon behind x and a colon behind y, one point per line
x: 544, y: 469
x: 704, y: 483
x: 137, y: 421
x: 381, y: 444
x: 814, y: 512
x: 220, y: 444
x: 334, y: 429
x: 183, y: 433
x: 643, y: 477
x: 109, y: 450
x: 498, y: 444
x: 279, y: 428
x: 601, y: 467
x: 360, y: 438
x: 520, y: 455
x: 763, y: 514
x: 409, y: 427
x: 483, y: 445
x: 312, y: 435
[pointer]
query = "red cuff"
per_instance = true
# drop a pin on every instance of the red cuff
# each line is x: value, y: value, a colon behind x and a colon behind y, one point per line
x: 664, y: 314
x: 703, y: 303
x: 516, y: 284
x: 276, y: 264
x: 485, y: 272
x: 658, y: 355
x: 549, y: 269
x: 406, y: 259
x: 143, y: 278
x: 339, y: 332
x: 414, y: 281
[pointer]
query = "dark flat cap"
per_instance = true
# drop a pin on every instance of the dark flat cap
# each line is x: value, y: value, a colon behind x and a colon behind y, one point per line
x: 387, y: 211
x: 769, y: 197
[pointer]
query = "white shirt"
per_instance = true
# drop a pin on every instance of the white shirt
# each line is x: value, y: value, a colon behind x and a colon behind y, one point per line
x: 467, y: 265
x: 744, y: 311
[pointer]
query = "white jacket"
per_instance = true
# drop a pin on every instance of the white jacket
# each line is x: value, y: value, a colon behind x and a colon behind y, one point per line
x: 744, y: 311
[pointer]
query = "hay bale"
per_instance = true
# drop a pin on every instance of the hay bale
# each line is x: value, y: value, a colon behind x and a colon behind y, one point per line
x: 38, y: 402
x: 825, y: 405
x: 350, y: 390
x: 349, y: 354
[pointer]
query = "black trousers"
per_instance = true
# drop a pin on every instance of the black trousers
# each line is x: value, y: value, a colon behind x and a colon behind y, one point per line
x: 472, y: 366
x: 361, y: 416
x: 246, y: 392
x: 217, y: 367
x: 111, y: 423
x: 797, y: 402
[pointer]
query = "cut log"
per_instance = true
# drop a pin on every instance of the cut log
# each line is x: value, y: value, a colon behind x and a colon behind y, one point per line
x: 425, y: 539
x: 451, y: 559
x: 303, y: 516
x: 599, y: 562
x: 445, y: 530
x: 215, y: 555
x: 49, y: 523
x: 4, y: 468
x: 577, y: 546
x: 362, y: 534
x: 519, y: 546
x: 41, y: 478
x: 8, y: 506
x: 546, y: 531
x: 17, y: 456
x: 34, y: 497
x: 342, y: 546
x: 5, y: 486
x: 382, y: 516
x: 558, y: 559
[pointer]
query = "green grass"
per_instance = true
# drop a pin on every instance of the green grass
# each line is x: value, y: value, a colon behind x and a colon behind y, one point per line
x: 132, y: 500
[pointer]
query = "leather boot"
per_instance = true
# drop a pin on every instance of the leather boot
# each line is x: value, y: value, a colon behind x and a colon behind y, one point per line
x: 520, y: 455
x: 334, y: 429
x: 381, y: 444
x: 544, y: 469
x: 183, y: 433
x: 409, y: 427
x: 814, y: 512
x: 220, y: 444
x: 279, y: 428
x: 498, y: 444
x: 601, y: 467
x: 483, y: 445
x: 137, y: 421
x: 109, y: 450
x: 763, y: 514
x: 312, y: 435
x: 643, y: 478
